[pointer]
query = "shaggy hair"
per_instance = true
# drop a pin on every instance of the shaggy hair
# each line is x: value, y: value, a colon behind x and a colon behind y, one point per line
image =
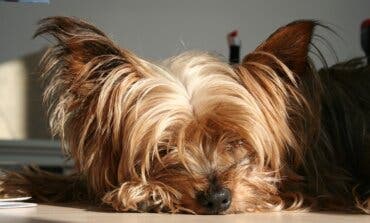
x: 272, y: 130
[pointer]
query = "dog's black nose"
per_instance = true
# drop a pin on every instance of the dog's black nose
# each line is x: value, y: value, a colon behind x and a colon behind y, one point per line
x: 215, y: 201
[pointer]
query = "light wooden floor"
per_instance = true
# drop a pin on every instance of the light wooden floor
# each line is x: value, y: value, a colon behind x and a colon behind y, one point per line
x: 55, y: 214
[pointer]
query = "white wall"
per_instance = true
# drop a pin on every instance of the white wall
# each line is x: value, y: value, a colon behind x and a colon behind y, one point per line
x: 157, y: 29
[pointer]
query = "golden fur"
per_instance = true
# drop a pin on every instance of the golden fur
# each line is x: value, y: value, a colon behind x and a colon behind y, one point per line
x: 150, y: 137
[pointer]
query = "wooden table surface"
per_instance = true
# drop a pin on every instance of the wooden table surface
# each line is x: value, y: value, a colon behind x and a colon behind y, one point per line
x: 58, y: 214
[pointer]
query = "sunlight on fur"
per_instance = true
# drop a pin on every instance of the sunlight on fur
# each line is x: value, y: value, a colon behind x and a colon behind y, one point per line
x: 193, y: 134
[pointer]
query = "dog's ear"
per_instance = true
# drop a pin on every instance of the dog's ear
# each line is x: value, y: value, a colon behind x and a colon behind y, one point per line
x: 83, y: 57
x: 88, y: 78
x: 270, y: 73
x: 289, y: 44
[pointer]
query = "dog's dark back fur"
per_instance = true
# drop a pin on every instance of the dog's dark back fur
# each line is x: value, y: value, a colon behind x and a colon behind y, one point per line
x: 346, y: 114
x: 342, y: 96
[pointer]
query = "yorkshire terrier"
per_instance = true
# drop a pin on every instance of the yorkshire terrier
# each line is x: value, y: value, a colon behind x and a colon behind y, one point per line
x: 195, y: 134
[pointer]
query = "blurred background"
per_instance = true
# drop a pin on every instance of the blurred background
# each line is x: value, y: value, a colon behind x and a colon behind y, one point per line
x: 153, y: 29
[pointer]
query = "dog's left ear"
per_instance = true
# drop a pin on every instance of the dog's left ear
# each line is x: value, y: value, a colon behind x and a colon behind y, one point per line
x: 290, y: 44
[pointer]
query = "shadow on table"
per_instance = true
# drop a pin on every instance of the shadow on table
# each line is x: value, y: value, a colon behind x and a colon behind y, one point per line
x: 83, y: 206
x: 90, y: 207
x: 26, y: 219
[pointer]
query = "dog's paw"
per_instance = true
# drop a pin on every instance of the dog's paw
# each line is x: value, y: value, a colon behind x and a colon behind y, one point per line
x: 140, y: 197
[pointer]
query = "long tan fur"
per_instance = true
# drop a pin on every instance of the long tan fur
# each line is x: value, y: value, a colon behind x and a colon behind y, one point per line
x: 149, y: 137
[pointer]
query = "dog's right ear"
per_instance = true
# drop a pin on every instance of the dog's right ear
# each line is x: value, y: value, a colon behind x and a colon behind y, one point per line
x: 88, y: 77
x: 289, y: 44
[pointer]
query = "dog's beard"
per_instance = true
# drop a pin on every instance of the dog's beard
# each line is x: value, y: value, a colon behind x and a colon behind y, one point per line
x: 191, y: 134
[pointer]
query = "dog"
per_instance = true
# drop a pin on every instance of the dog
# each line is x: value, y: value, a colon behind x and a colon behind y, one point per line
x: 193, y: 134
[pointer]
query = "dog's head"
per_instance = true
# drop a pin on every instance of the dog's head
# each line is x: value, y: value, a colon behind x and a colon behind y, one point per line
x: 189, y: 134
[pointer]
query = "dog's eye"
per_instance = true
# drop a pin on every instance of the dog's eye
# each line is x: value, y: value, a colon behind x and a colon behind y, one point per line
x: 239, y: 143
x: 164, y: 151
